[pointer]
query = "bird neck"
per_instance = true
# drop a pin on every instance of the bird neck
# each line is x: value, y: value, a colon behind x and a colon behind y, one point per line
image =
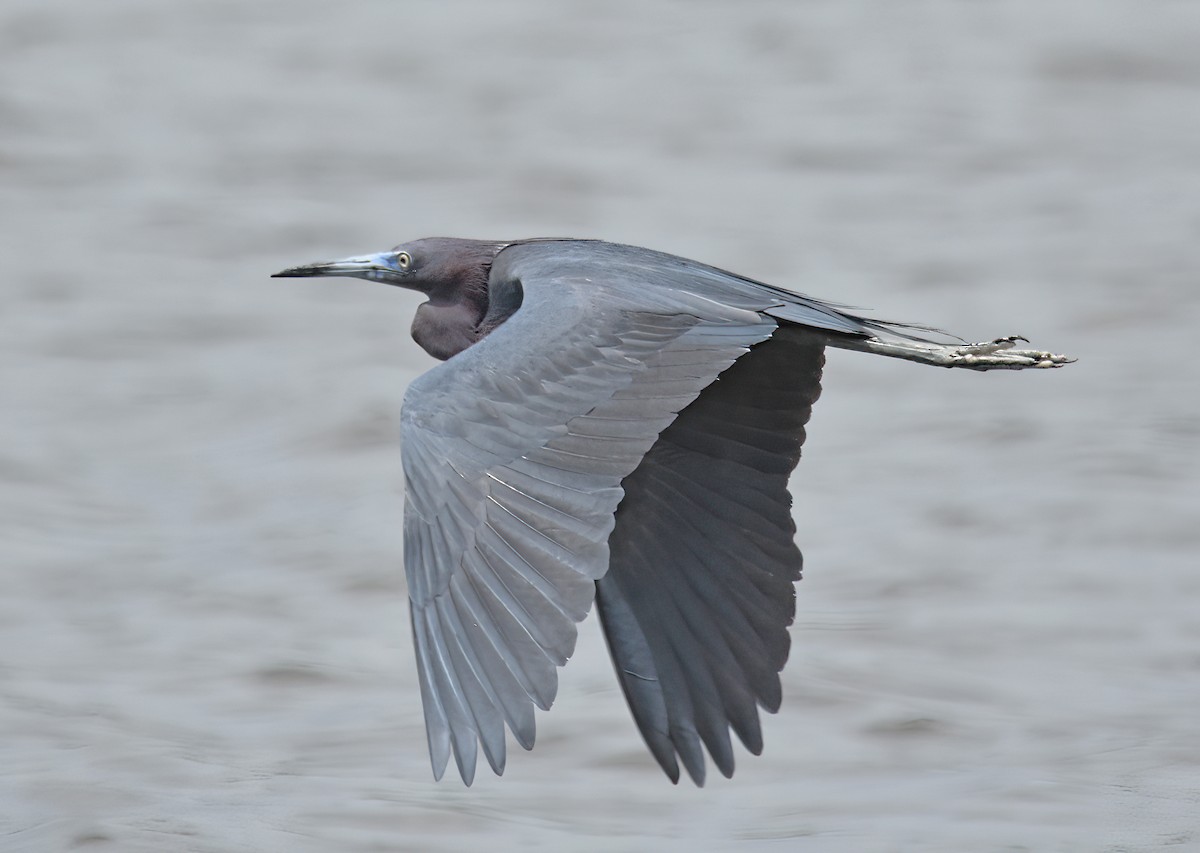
x: 458, y: 301
x: 449, y: 322
x: 445, y: 330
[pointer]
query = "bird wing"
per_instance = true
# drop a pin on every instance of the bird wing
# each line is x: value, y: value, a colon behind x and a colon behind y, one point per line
x: 699, y: 595
x: 514, y: 452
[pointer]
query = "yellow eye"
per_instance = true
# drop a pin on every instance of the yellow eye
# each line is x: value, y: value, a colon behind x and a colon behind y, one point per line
x: 403, y: 260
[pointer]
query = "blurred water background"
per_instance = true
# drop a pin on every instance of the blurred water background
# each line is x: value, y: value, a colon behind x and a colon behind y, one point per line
x: 203, y: 632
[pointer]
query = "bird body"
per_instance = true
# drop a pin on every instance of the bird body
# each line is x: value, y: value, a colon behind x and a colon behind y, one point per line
x: 618, y: 424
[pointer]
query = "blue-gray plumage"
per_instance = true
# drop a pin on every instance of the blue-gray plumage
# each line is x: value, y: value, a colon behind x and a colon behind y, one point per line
x: 614, y: 423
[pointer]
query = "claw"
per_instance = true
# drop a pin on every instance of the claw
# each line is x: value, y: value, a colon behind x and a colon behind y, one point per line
x: 989, y: 347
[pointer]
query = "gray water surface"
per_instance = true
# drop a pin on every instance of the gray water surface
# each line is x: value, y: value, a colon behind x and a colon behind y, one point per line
x: 203, y: 633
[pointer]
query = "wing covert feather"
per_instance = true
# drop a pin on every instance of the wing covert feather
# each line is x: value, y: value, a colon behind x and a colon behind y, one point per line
x: 514, y: 452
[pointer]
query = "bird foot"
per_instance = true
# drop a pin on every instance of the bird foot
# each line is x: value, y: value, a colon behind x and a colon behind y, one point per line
x: 1001, y: 354
x: 998, y: 354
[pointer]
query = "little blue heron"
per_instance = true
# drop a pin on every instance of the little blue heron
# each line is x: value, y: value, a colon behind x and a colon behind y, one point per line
x: 614, y: 423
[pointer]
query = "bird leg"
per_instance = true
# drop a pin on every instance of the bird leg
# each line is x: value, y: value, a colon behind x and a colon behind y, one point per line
x: 1000, y: 354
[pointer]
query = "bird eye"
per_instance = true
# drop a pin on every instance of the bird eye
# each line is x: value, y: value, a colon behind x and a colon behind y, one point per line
x: 403, y: 260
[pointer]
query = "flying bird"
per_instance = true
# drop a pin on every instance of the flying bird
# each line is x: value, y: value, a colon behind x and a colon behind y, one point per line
x: 617, y: 424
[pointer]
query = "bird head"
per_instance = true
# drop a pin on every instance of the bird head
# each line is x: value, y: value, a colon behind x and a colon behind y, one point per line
x: 451, y: 272
x: 430, y: 265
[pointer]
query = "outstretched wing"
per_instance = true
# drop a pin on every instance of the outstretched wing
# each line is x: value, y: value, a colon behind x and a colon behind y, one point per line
x: 514, y: 453
x: 699, y: 595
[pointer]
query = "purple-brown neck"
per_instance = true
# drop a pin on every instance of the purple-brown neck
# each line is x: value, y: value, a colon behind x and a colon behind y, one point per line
x: 454, y: 274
